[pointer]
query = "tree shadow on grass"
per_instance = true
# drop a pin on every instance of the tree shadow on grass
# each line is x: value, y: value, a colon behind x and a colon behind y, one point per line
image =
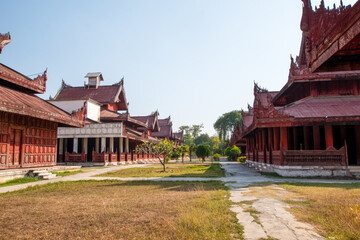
x: 302, y: 184
x: 181, y: 186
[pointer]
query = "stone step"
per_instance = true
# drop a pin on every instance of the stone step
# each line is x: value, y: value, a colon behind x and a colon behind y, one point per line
x: 51, y: 176
x: 39, y: 171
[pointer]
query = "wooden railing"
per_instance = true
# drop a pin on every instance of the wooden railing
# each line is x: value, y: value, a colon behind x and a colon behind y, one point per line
x: 122, y: 157
x: 113, y: 157
x: 276, y: 157
x: 100, y: 157
x: 75, y: 157
x: 328, y: 157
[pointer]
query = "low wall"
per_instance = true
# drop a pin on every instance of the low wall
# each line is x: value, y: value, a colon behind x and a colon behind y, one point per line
x: 301, y: 171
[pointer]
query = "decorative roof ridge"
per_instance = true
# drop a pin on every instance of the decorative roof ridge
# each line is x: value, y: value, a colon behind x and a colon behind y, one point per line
x: 37, y: 84
x: 4, y: 40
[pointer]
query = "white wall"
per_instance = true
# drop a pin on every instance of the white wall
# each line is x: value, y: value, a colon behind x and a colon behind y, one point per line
x: 93, y: 110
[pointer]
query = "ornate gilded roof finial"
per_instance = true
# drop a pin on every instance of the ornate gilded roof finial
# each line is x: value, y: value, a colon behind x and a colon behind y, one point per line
x: 341, y: 3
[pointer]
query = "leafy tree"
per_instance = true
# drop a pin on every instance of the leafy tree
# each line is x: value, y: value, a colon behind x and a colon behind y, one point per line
x: 192, y: 148
x: 182, y: 150
x: 226, y: 123
x: 203, y: 139
x: 232, y: 152
x: 203, y: 151
x: 176, y: 154
x: 218, y: 151
x: 162, y: 150
x: 215, y: 142
x: 196, y: 130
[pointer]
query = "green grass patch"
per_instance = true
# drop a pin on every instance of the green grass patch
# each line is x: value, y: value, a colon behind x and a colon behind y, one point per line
x: 119, y: 210
x: 67, y: 173
x: 173, y: 170
x: 19, y: 181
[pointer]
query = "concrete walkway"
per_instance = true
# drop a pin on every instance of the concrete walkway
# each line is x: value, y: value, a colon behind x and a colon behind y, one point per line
x: 272, y: 221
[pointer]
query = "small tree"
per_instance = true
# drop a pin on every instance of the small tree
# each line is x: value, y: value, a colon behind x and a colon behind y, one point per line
x: 192, y: 148
x: 232, y: 152
x: 182, y: 151
x: 163, y: 149
x: 203, y: 151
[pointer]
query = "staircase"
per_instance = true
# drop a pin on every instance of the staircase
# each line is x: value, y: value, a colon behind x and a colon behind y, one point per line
x: 42, y: 174
x: 355, y: 171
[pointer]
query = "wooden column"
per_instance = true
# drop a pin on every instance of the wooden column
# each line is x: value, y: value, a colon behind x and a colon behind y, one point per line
x: 97, y: 145
x: 127, y: 145
x: 121, y: 145
x: 357, y: 136
x: 295, y: 138
x: 263, y: 137
x: 283, y: 138
x: 61, y: 146
x: 316, y: 135
x: 276, y: 138
x: 329, y: 139
x: 75, y: 145
x: 85, y: 145
x: 103, y: 144
x: 111, y: 144
x: 270, y: 138
x: 307, y: 138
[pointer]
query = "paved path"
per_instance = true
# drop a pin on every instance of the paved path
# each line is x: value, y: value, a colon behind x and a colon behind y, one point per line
x: 273, y: 220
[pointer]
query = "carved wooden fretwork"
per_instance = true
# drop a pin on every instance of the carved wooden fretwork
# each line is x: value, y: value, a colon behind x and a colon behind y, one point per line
x: 4, y: 40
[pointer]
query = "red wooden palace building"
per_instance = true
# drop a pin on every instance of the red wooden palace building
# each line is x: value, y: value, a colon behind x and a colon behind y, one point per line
x: 110, y: 134
x: 312, y: 125
x: 28, y: 124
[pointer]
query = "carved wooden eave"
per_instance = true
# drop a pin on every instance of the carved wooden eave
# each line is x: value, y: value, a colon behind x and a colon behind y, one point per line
x: 36, y: 85
x: 79, y: 116
x: 4, y: 40
x: 328, y: 32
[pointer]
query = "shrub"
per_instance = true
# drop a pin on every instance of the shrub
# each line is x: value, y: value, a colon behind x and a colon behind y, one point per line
x: 218, y: 151
x: 216, y: 157
x: 232, y: 152
x: 241, y: 159
x: 203, y: 151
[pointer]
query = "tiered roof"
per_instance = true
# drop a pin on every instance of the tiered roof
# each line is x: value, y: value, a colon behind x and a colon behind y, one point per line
x: 17, y: 96
x: 103, y: 94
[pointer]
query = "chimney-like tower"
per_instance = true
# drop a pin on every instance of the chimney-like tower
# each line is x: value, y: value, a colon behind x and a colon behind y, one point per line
x: 94, y: 79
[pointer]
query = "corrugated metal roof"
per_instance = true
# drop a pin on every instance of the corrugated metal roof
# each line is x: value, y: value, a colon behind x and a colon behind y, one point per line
x: 322, y: 107
x: 30, y: 105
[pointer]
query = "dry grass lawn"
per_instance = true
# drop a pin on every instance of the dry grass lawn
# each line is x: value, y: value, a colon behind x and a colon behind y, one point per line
x: 333, y: 208
x: 118, y: 210
x: 172, y: 170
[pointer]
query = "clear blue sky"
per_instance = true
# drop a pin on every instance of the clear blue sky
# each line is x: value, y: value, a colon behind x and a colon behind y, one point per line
x: 191, y: 59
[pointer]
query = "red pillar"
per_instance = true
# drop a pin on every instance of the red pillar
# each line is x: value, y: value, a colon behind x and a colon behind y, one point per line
x: 316, y: 135
x: 306, y: 138
x: 357, y: 136
x: 283, y: 137
x: 276, y: 138
x: 295, y: 138
x: 263, y: 137
x: 270, y: 138
x: 329, y: 139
